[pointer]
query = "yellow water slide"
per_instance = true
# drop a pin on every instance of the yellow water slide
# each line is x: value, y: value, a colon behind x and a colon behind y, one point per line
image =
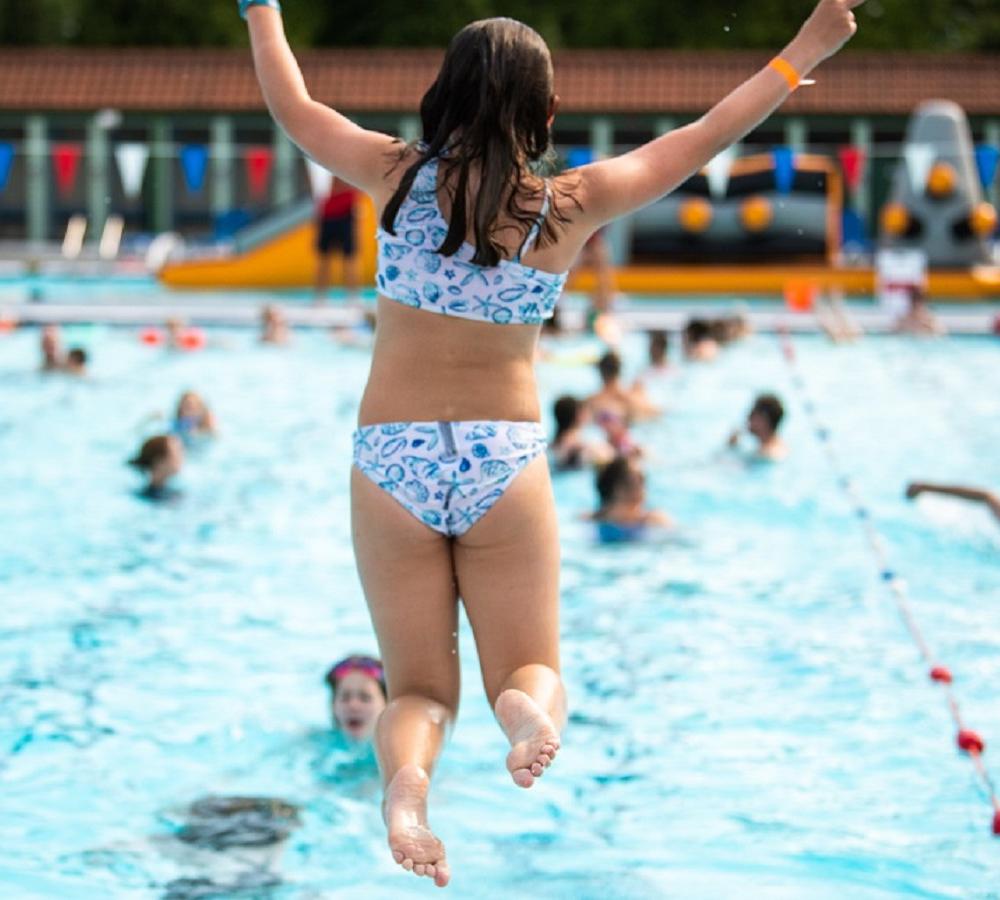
x: 279, y: 252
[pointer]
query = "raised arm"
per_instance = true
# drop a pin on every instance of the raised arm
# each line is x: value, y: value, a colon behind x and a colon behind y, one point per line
x: 976, y: 495
x: 334, y: 141
x: 613, y: 187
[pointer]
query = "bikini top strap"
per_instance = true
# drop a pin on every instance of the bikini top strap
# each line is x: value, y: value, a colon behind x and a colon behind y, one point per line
x: 536, y: 226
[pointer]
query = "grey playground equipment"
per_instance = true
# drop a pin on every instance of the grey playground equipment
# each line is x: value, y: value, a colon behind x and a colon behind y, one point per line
x: 936, y: 203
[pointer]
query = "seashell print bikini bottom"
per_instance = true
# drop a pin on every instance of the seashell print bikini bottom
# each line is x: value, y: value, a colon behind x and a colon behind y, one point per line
x: 447, y: 474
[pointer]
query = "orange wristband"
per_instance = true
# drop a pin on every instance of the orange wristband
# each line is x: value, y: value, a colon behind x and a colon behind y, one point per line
x: 787, y: 71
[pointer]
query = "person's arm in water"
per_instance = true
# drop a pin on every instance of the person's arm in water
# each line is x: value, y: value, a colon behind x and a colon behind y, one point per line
x: 976, y: 495
x: 614, y: 187
x: 332, y: 140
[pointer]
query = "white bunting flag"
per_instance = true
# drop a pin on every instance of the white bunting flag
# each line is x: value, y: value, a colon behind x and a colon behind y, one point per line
x: 919, y: 159
x: 717, y: 172
x: 131, y: 159
x: 320, y: 179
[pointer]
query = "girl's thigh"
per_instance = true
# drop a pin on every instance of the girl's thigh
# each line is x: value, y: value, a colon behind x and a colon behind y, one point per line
x: 408, y: 578
x: 507, y: 566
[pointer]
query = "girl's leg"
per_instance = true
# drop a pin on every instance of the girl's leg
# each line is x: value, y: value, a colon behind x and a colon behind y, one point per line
x: 407, y: 575
x: 507, y: 567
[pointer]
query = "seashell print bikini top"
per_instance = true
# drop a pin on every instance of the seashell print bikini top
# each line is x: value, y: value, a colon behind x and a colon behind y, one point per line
x: 412, y: 272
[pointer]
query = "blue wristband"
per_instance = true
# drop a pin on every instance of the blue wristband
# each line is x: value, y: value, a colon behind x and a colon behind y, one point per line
x: 246, y: 4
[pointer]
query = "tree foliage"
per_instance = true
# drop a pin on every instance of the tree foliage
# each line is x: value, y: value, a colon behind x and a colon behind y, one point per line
x: 938, y: 25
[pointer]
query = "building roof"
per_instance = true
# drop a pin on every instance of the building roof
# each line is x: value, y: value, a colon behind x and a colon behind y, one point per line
x: 386, y: 80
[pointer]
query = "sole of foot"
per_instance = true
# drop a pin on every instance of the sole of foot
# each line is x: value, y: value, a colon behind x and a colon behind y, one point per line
x: 413, y: 844
x: 534, y: 740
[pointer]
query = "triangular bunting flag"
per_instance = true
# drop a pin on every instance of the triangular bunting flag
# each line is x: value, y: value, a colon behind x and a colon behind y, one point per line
x: 258, y: 160
x: 852, y: 162
x: 320, y: 179
x: 66, y: 159
x: 784, y: 169
x: 987, y: 158
x: 717, y: 172
x: 6, y: 160
x: 131, y: 158
x: 194, y: 162
x: 919, y: 159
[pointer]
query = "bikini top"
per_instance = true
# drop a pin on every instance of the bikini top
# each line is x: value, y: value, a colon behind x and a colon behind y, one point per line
x: 412, y: 272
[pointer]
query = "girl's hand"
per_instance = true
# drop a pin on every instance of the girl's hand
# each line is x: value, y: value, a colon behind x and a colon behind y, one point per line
x: 831, y: 25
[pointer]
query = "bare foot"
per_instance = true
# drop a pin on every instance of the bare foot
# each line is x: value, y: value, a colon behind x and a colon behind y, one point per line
x: 413, y: 844
x: 533, y: 738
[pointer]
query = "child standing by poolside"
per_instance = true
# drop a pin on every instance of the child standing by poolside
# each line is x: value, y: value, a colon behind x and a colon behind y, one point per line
x: 451, y: 495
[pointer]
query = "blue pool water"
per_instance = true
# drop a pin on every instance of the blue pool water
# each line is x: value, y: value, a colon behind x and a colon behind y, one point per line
x: 749, y: 716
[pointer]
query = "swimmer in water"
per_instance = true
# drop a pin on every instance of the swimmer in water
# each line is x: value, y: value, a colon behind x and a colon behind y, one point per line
x: 614, y: 398
x: 570, y: 448
x: 658, y: 352
x: 161, y: 458
x: 273, y: 325
x: 974, y: 495
x: 193, y: 420
x: 622, y: 514
x: 699, y: 343
x: 53, y: 358
x: 76, y: 362
x: 357, y: 696
x: 763, y: 423
x: 451, y: 495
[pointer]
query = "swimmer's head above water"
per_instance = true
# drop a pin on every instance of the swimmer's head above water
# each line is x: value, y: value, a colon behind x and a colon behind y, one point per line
x: 609, y: 367
x: 358, y: 695
x: 765, y: 417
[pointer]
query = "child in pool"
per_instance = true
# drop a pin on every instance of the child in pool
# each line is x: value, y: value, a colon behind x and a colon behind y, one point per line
x: 161, y: 458
x: 614, y: 398
x: 193, y: 420
x: 973, y: 494
x: 763, y: 423
x: 451, y: 496
x: 570, y: 449
x: 700, y: 344
x: 622, y: 514
x: 53, y: 358
x: 273, y: 325
x: 357, y: 696
x: 76, y: 362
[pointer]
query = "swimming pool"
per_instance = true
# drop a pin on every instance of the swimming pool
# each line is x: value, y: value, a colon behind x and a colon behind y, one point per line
x: 749, y: 716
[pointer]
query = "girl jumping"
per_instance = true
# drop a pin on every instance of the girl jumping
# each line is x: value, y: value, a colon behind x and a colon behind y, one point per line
x: 450, y: 491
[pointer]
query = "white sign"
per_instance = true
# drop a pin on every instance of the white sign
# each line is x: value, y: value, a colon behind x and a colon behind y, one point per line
x: 897, y: 272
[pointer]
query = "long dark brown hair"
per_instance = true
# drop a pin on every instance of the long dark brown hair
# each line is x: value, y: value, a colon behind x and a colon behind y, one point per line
x: 490, y: 104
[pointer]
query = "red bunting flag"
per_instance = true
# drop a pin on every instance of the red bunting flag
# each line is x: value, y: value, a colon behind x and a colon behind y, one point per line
x: 259, y: 161
x: 66, y: 159
x: 852, y: 161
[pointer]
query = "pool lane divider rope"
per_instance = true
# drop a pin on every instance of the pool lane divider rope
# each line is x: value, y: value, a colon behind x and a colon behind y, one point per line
x: 968, y: 740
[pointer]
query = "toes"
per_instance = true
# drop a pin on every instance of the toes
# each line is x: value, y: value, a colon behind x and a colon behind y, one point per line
x: 430, y: 870
x: 408, y: 865
x: 536, y: 769
x: 396, y: 855
x: 443, y: 875
x: 523, y: 778
x: 419, y: 868
x: 545, y: 760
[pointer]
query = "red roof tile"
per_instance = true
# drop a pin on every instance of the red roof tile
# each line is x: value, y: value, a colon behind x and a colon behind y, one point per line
x: 588, y: 81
